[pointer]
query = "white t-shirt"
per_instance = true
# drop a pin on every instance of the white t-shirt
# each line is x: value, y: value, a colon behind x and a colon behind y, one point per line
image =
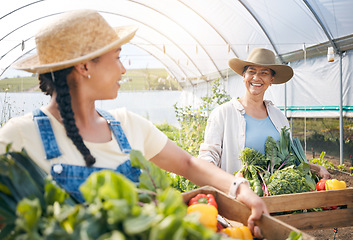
x: 141, y: 134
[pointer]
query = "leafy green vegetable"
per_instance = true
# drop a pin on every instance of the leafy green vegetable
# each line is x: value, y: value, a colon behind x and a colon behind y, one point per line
x: 152, y: 177
x: 106, y: 184
x: 113, y: 209
x: 271, y: 151
x: 264, y: 170
x: 286, y: 181
x: 252, y: 157
x: 323, y: 162
x: 254, y: 163
x: 295, y: 236
x: 181, y: 183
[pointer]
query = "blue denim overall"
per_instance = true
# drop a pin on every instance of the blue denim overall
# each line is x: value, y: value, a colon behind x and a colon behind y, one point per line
x: 70, y: 177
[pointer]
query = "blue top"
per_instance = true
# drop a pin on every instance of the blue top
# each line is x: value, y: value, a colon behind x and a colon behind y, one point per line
x: 257, y: 131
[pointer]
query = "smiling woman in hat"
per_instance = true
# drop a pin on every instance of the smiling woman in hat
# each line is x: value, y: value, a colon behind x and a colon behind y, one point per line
x: 78, y: 63
x: 248, y: 121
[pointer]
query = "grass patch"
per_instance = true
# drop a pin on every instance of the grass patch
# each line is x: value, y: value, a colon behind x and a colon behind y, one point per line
x: 135, y: 80
x: 19, y: 84
x: 323, y: 134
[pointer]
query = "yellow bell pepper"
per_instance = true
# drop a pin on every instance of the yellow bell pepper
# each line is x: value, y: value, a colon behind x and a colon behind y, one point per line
x: 334, y: 184
x: 208, y: 216
x: 242, y: 232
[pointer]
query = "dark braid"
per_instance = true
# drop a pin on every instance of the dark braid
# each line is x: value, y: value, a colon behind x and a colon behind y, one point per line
x: 46, y: 85
x: 63, y: 99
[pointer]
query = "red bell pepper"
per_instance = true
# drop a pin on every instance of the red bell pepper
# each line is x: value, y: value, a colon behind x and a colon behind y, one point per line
x: 203, y: 198
x: 320, y: 185
x: 330, y: 184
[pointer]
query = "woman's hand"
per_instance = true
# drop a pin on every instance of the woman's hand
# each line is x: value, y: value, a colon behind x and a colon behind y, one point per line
x: 255, y: 203
x: 321, y: 171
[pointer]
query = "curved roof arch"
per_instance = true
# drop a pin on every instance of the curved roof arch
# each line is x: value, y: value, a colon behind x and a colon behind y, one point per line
x: 195, y: 39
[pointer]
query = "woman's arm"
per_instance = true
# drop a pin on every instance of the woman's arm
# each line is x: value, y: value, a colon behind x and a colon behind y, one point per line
x: 174, y: 159
x: 320, y: 170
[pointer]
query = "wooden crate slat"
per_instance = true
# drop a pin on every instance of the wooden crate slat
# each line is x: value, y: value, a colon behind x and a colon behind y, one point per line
x: 308, y: 200
x: 319, y: 220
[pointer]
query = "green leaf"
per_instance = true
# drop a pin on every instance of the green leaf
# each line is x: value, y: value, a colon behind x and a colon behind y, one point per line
x: 7, y: 230
x: 171, y: 202
x: 21, y: 183
x: 114, y: 235
x: 53, y: 193
x: 107, y: 184
x: 37, y: 174
x: 117, y: 210
x: 7, y: 209
x: 28, y: 212
x: 310, y: 182
x: 195, y: 230
x: 298, y: 150
x: 152, y: 177
x: 169, y: 228
x: 140, y: 224
x: 295, y: 236
x: 4, y: 189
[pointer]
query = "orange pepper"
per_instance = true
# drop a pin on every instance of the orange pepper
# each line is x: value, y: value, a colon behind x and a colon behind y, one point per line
x: 242, y: 232
x: 208, y: 216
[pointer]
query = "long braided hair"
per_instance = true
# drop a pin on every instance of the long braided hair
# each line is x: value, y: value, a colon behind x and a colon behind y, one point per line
x: 57, y: 81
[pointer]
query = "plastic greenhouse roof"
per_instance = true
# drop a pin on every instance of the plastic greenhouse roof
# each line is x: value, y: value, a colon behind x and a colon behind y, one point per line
x: 194, y: 39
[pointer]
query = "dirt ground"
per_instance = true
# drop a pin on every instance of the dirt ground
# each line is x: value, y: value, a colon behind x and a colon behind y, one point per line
x: 345, y: 233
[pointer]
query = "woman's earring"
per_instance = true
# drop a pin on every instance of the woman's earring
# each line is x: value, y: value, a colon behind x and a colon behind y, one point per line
x: 89, y: 76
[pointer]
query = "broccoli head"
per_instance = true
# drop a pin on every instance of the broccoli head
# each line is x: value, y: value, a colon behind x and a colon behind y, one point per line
x: 287, y: 181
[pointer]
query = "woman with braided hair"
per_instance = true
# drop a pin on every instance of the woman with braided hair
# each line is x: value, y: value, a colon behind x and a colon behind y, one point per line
x: 63, y: 99
x: 78, y: 63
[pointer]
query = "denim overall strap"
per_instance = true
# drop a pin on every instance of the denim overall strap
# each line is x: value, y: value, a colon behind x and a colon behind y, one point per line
x: 70, y: 177
x: 46, y: 133
x: 117, y: 130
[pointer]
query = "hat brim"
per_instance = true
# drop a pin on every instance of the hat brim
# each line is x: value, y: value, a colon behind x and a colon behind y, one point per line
x: 32, y: 63
x: 283, y: 72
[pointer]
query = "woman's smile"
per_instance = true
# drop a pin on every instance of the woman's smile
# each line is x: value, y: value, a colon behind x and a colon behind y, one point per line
x: 256, y: 84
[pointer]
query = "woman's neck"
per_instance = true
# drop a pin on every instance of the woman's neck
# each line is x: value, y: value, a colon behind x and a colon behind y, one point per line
x: 85, y: 114
x: 254, y: 107
x: 91, y: 125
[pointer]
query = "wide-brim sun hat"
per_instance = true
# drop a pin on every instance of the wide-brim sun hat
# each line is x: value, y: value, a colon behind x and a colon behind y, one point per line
x: 72, y: 38
x: 263, y: 57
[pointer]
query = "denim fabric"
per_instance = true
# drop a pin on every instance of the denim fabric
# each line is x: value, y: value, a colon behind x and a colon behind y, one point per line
x: 72, y: 176
x: 117, y: 131
x: 47, y: 135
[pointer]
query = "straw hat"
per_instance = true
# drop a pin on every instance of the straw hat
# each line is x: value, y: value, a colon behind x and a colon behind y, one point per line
x: 75, y: 37
x: 266, y: 58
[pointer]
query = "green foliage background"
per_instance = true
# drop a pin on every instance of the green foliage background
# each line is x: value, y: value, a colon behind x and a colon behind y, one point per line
x: 190, y: 134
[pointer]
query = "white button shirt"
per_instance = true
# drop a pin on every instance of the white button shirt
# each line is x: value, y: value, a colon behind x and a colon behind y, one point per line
x: 225, y: 133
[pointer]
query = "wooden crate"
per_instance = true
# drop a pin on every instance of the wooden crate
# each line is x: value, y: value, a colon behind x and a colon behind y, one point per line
x: 341, y: 217
x: 271, y: 228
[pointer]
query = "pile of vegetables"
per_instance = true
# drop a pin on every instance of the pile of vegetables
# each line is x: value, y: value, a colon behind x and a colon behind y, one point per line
x: 283, y: 169
x: 32, y: 206
x: 206, y: 207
